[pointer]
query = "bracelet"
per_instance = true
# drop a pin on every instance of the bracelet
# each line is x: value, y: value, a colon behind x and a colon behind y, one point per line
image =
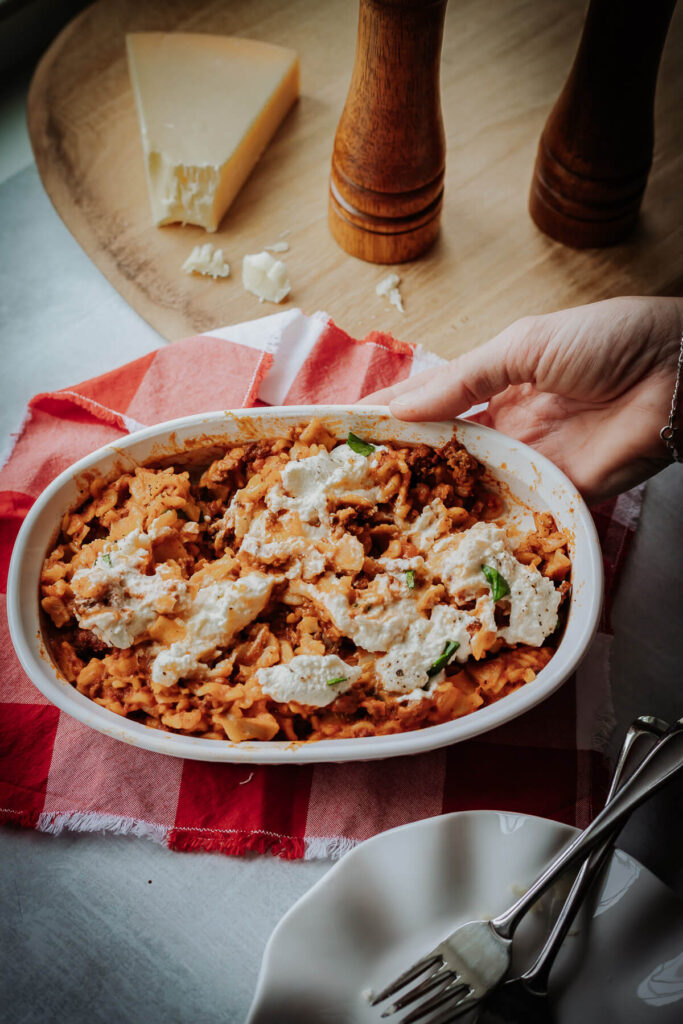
x: 669, y: 433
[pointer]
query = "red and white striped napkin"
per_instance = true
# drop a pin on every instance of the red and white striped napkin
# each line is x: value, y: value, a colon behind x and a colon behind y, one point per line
x: 56, y: 774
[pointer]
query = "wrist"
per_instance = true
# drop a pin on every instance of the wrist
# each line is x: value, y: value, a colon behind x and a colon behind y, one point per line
x: 671, y: 433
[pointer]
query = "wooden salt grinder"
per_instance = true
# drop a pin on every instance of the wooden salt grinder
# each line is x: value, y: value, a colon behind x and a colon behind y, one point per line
x: 388, y: 162
x: 595, y: 151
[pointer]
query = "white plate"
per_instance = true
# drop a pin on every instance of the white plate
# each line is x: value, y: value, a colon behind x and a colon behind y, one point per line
x: 529, y: 478
x: 395, y: 896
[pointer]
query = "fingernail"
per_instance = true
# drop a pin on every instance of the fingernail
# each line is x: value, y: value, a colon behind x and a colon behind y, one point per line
x: 399, y: 404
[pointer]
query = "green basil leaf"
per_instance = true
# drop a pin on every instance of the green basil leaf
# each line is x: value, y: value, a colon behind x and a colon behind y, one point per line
x: 337, y: 679
x: 358, y: 445
x: 410, y: 579
x: 449, y: 650
x: 106, y: 559
x: 499, y: 585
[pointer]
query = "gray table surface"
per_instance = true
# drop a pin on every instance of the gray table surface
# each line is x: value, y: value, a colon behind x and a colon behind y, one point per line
x: 100, y: 928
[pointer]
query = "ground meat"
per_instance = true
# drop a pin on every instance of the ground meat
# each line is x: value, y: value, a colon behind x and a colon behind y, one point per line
x: 420, y: 459
x: 221, y: 470
x: 85, y: 642
x: 450, y: 466
x: 465, y: 468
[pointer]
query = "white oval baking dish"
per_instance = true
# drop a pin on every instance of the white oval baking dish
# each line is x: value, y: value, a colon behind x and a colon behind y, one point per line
x: 531, y: 480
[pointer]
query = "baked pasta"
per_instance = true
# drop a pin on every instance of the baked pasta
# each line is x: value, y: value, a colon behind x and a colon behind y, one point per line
x: 302, y: 589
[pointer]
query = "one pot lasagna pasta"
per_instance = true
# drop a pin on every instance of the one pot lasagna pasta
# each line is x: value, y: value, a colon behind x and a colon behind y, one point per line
x: 302, y: 589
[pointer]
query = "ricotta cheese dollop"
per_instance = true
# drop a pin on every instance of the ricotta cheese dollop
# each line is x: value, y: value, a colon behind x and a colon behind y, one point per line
x: 217, y: 612
x: 404, y: 668
x: 380, y: 616
x: 262, y: 545
x: 533, y: 601
x: 312, y: 679
x: 308, y: 484
x: 116, y: 599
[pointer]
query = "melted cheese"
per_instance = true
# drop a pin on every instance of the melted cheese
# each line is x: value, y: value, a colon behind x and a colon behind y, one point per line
x: 380, y: 615
x: 308, y: 679
x: 404, y: 668
x: 260, y: 542
x: 384, y: 617
x: 398, y: 567
x: 116, y: 599
x: 533, y: 601
x: 293, y: 536
x: 431, y: 523
x: 217, y: 612
x: 309, y: 484
x: 375, y: 629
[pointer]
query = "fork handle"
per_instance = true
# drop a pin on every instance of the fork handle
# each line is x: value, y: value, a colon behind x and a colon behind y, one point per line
x: 536, y: 977
x: 661, y: 763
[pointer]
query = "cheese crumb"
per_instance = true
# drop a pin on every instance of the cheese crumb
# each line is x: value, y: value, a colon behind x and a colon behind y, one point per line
x: 206, y: 260
x: 277, y: 247
x: 388, y: 287
x: 265, y: 277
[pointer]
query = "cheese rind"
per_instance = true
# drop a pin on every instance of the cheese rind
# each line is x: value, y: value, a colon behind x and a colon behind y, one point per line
x: 208, y: 106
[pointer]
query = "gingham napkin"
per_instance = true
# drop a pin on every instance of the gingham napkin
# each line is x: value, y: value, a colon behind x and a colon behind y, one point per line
x: 55, y: 773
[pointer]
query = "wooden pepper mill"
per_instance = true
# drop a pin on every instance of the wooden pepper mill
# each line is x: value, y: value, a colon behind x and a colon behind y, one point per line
x: 386, y: 185
x: 595, y: 151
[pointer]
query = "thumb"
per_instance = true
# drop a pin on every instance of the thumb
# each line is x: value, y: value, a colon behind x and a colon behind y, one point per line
x: 509, y: 358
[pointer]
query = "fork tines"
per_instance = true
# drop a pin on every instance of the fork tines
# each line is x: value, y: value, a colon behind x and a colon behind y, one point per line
x: 448, y: 998
x: 431, y: 960
x: 440, y: 978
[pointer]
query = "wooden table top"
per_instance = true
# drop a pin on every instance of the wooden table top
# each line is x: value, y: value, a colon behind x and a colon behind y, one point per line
x: 502, y: 67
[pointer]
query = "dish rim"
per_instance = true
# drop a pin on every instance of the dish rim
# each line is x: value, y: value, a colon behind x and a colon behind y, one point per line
x: 36, y: 662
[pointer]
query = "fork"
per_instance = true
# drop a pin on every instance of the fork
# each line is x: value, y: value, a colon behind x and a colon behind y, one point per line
x: 475, y: 957
x: 524, y: 1000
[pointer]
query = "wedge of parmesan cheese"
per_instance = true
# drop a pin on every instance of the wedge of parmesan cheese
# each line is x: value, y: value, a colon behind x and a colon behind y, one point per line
x: 208, y: 106
x: 206, y: 260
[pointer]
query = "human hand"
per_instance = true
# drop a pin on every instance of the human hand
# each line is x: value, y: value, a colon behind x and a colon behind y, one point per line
x: 589, y: 387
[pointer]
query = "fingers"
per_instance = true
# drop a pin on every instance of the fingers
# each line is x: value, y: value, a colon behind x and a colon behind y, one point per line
x: 448, y: 391
x: 387, y: 395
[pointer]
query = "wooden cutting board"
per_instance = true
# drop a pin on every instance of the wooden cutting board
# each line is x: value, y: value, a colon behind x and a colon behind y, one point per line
x: 503, y: 65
